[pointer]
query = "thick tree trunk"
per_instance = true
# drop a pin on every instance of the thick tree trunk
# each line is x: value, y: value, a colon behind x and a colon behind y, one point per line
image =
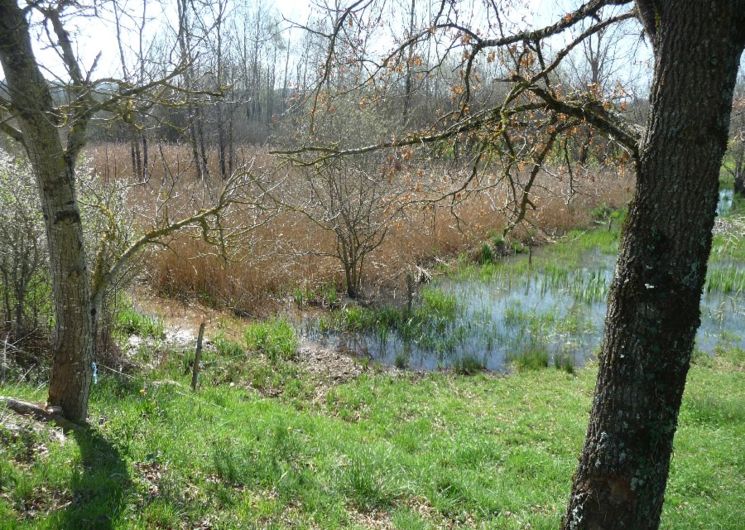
x: 55, y: 175
x: 653, y: 309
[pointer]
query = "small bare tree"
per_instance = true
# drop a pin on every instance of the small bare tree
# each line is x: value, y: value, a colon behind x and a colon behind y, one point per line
x: 354, y: 199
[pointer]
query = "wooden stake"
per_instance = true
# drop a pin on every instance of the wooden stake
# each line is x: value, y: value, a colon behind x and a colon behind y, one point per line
x: 197, y: 358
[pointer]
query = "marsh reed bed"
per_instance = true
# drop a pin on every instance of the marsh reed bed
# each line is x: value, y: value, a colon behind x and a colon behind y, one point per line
x: 290, y: 253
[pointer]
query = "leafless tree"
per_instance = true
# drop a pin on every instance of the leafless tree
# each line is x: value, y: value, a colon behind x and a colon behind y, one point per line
x: 356, y: 200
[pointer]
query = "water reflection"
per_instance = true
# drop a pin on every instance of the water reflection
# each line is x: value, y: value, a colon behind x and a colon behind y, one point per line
x: 559, y: 316
x: 726, y: 200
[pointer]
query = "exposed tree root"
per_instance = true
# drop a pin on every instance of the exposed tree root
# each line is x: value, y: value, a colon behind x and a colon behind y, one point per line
x: 39, y: 412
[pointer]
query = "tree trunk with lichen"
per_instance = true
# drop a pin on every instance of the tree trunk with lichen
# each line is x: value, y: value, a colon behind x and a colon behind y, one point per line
x: 653, y: 307
x: 54, y: 167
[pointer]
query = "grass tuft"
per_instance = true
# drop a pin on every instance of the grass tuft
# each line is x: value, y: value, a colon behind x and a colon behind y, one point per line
x: 469, y: 365
x: 534, y: 358
x: 275, y: 338
x: 129, y: 321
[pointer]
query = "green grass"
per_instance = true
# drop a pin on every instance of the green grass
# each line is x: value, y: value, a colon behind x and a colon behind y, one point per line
x: 227, y: 348
x: 326, y: 296
x: 414, y: 452
x: 129, y: 321
x: 275, y: 338
x: 727, y: 280
x: 561, y: 264
x: 729, y: 245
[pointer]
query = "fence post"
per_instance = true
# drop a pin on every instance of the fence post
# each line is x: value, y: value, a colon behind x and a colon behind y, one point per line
x: 197, y: 358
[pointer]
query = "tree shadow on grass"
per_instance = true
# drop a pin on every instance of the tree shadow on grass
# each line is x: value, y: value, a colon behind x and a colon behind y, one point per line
x: 98, y: 489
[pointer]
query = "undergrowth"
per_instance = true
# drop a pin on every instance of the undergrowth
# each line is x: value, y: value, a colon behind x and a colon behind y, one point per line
x: 434, y: 323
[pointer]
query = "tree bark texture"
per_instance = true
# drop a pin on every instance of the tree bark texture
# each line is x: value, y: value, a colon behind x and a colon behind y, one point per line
x: 653, y: 307
x: 55, y: 174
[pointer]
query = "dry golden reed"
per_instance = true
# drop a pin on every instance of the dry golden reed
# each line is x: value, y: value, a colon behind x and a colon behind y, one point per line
x: 290, y: 252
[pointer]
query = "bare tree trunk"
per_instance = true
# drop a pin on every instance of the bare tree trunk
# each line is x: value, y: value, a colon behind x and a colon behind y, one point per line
x: 221, y: 141
x: 270, y: 89
x: 145, y: 174
x: 199, y: 117
x: 409, y: 56
x: 194, y: 143
x: 231, y: 143
x: 653, y: 308
x: 55, y: 173
x: 7, y: 309
x: 285, y: 81
x: 222, y: 148
x: 196, y: 135
x: 350, y: 279
x: 139, y: 155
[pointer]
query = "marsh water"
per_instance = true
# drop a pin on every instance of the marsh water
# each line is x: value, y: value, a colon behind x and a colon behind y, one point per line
x: 506, y: 317
x: 550, y: 311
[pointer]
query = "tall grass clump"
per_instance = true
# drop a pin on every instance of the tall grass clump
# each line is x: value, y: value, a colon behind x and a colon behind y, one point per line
x: 565, y: 362
x: 275, y: 338
x: 468, y: 365
x: 534, y: 358
x: 437, y: 304
x: 487, y: 254
x: 226, y: 347
x: 128, y: 321
x: 434, y: 323
x: 727, y: 280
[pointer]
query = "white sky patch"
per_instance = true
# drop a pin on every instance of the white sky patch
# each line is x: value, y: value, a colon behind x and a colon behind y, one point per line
x: 98, y: 35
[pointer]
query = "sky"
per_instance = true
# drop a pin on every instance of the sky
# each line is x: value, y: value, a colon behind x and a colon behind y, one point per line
x: 93, y: 36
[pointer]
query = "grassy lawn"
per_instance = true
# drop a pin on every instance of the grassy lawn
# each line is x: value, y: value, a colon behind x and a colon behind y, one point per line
x: 383, y: 450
